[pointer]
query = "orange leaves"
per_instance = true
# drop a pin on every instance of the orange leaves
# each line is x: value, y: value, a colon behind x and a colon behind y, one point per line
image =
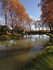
x: 13, y: 3
x: 16, y: 12
x: 47, y: 11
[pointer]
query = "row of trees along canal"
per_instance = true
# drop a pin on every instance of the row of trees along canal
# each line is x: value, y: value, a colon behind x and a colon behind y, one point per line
x: 17, y: 19
x: 15, y: 14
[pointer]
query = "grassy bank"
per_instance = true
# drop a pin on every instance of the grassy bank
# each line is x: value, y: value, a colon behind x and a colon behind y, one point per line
x: 44, y: 60
x: 10, y: 36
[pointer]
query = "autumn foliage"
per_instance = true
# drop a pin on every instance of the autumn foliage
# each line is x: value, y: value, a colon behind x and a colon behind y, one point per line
x: 47, y: 12
x: 14, y: 11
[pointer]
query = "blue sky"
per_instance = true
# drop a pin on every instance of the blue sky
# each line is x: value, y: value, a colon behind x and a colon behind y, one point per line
x: 32, y: 8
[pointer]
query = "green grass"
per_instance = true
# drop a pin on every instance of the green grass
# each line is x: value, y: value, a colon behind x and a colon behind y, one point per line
x: 4, y: 37
x: 10, y: 36
x: 42, y: 61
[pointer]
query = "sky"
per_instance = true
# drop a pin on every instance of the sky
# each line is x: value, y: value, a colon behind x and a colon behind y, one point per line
x: 32, y: 8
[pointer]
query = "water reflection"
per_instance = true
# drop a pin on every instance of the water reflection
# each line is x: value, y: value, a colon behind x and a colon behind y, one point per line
x: 39, y: 40
x: 15, y: 53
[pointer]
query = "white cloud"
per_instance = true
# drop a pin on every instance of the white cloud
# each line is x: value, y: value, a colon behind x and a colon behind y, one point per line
x: 34, y: 18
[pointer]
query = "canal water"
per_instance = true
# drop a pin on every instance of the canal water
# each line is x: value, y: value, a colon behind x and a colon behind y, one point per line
x: 14, y: 54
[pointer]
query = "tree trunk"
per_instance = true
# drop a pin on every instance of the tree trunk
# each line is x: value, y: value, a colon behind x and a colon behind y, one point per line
x: 50, y: 28
x: 12, y: 23
x: 30, y: 27
x: 6, y: 23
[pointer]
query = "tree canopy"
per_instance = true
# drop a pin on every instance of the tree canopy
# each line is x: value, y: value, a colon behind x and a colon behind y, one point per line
x: 47, y: 12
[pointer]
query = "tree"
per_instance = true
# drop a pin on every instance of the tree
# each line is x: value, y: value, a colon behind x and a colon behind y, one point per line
x: 15, y: 11
x: 47, y: 12
x: 18, y: 15
x: 22, y: 22
x: 4, y: 10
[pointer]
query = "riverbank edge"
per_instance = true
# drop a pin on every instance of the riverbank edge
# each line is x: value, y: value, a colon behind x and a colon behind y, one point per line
x: 15, y: 36
x: 10, y: 36
x: 44, y: 59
